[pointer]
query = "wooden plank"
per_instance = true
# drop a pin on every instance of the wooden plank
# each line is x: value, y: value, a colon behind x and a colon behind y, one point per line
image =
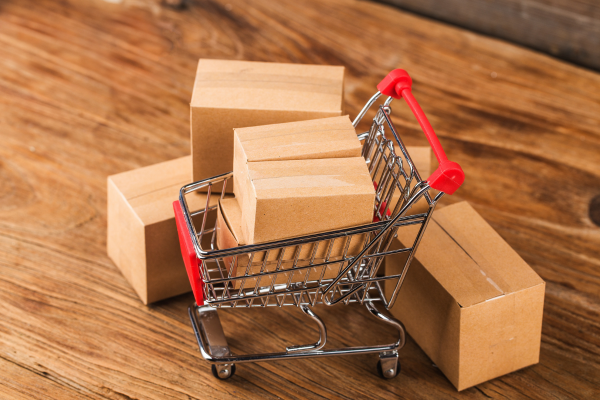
x: 566, y: 29
x: 89, y: 89
x: 19, y: 382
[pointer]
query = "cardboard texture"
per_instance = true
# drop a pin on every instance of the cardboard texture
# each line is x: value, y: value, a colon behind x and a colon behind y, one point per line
x: 233, y: 94
x: 469, y: 301
x: 285, y: 199
x: 425, y: 162
x: 142, y: 236
x: 333, y: 137
x: 229, y: 224
x: 229, y: 235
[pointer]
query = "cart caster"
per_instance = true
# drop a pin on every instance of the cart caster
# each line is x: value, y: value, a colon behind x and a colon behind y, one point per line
x: 388, y: 365
x: 223, y: 371
x: 390, y: 372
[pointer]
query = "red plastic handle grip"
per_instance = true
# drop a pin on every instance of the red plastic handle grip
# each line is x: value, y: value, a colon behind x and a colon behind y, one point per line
x: 449, y: 175
x: 192, y: 264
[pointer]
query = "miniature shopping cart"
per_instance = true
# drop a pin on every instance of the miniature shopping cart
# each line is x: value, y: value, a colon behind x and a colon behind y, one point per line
x: 275, y: 273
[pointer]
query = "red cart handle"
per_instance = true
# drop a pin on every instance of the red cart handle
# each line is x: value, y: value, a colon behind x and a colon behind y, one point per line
x: 449, y: 175
x: 192, y: 264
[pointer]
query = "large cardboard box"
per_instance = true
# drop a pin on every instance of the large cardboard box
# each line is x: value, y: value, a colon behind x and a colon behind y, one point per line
x: 333, y: 137
x: 284, y: 199
x: 469, y: 301
x: 229, y: 235
x: 142, y: 235
x: 233, y: 94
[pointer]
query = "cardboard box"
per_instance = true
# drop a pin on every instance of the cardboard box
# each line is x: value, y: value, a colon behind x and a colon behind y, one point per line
x: 333, y: 137
x: 233, y: 94
x: 285, y: 199
x: 229, y: 224
x: 469, y: 301
x: 229, y: 235
x: 142, y: 235
x: 425, y: 162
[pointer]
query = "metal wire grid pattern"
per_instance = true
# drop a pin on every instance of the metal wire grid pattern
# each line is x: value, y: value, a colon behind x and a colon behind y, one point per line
x: 293, y: 271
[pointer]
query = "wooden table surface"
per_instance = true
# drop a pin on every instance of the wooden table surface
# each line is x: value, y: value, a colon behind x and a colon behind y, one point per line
x: 89, y: 89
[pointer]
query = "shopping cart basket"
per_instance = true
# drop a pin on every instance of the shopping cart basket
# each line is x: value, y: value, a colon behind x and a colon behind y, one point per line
x: 277, y: 275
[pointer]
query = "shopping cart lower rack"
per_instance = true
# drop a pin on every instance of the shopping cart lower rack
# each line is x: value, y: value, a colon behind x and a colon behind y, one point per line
x: 276, y: 276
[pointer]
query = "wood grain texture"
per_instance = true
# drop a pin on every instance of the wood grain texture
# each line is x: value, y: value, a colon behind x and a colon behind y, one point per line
x: 89, y: 89
x: 564, y: 28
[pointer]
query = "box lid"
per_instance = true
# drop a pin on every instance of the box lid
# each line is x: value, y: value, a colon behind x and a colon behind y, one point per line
x: 469, y: 258
x: 151, y: 190
x: 320, y: 138
x: 310, y: 178
x: 268, y: 86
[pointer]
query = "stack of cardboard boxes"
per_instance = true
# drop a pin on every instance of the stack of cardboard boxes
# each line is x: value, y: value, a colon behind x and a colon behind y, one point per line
x: 296, y: 179
x: 142, y: 236
x: 471, y: 303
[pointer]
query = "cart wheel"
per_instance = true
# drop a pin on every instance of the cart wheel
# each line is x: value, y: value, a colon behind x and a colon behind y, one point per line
x: 390, y: 372
x: 223, y: 371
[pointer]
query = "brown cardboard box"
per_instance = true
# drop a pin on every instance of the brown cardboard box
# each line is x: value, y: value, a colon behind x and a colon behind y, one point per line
x: 469, y: 301
x: 142, y: 235
x: 285, y: 199
x: 333, y: 137
x: 229, y: 224
x: 425, y: 163
x: 229, y: 235
x: 232, y: 94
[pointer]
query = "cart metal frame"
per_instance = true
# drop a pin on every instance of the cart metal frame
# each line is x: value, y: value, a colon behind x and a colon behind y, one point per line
x: 277, y: 275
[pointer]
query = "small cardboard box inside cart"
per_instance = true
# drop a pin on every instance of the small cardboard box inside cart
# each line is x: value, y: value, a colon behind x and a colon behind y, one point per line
x: 231, y: 94
x: 142, y: 236
x: 285, y: 199
x: 469, y: 301
x: 333, y: 137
